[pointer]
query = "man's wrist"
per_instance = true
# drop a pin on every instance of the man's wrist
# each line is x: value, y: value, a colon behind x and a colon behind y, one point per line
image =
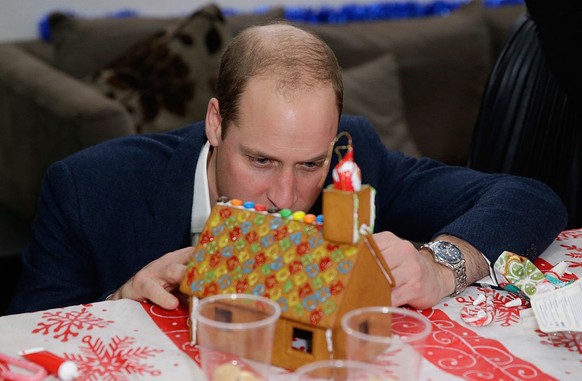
x: 445, y: 274
x: 476, y: 265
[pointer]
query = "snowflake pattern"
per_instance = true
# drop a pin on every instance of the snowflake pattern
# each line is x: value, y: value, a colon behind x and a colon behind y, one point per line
x: 506, y: 316
x: 67, y: 324
x: 114, y: 361
x: 574, y: 252
x: 572, y: 341
x: 569, y: 234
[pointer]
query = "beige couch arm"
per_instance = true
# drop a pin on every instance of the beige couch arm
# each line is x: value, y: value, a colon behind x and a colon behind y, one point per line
x: 45, y: 115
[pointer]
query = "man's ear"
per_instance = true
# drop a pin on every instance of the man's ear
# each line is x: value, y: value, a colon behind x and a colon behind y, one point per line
x: 213, y: 123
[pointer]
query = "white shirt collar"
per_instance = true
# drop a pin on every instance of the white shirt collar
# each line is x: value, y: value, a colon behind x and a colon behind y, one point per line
x: 201, y: 199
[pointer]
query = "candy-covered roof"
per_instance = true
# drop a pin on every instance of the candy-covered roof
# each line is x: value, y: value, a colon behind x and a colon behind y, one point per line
x: 280, y: 255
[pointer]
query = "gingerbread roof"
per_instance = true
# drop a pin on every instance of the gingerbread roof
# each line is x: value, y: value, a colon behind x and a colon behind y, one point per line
x: 279, y: 255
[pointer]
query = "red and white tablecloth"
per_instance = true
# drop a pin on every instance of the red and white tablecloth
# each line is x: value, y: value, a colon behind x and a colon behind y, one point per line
x: 126, y: 340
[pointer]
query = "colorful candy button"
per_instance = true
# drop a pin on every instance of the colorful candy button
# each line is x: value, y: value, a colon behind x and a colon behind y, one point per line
x: 299, y: 215
x: 236, y: 202
x: 248, y: 205
x: 309, y: 218
x: 286, y: 213
x: 273, y: 210
x: 260, y: 207
x: 319, y: 219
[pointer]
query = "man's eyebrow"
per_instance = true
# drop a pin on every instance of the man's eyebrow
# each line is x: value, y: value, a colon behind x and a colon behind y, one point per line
x: 316, y: 159
x: 255, y: 153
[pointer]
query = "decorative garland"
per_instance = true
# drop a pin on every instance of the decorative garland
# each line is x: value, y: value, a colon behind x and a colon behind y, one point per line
x: 382, y: 10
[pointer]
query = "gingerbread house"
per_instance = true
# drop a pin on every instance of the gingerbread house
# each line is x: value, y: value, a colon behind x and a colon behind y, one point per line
x: 316, y: 269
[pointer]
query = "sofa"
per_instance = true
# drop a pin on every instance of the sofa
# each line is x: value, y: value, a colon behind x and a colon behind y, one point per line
x: 419, y: 80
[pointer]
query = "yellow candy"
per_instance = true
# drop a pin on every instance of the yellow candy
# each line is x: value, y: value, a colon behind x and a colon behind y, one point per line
x: 299, y: 215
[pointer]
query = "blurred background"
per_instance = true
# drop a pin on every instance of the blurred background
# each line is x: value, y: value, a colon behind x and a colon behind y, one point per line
x: 19, y: 19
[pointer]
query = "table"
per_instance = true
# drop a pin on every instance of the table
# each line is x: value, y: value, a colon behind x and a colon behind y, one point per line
x: 122, y: 340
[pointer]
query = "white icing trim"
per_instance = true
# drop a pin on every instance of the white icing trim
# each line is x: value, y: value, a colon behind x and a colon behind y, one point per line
x: 372, y: 209
x: 193, y: 321
x: 329, y: 340
x: 356, y: 204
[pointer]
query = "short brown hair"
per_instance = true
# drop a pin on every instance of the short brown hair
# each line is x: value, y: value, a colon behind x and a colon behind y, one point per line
x: 297, y: 58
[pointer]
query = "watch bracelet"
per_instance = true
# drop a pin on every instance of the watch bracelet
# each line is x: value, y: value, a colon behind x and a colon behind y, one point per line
x: 460, y: 276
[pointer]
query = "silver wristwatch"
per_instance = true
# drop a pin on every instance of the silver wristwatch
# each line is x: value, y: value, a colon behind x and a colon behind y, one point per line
x: 447, y: 254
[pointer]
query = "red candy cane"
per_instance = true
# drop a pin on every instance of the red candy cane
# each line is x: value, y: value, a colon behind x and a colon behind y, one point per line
x: 482, y: 312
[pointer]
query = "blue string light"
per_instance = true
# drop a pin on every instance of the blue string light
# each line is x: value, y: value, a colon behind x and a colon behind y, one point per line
x: 383, y: 10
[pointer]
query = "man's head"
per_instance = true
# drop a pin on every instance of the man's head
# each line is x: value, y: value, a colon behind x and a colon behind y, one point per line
x: 277, y: 106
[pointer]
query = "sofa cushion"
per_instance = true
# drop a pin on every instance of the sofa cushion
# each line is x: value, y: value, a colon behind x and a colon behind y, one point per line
x: 373, y: 90
x: 83, y: 45
x: 443, y: 61
x: 166, y: 81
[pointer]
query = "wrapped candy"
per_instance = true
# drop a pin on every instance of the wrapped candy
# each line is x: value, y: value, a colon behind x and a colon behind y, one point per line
x: 519, y: 275
x: 346, y: 174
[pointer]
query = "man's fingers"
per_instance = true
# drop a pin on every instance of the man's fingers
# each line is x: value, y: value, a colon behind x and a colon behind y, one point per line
x: 158, y: 279
x: 174, y: 273
x: 160, y: 296
x: 182, y: 256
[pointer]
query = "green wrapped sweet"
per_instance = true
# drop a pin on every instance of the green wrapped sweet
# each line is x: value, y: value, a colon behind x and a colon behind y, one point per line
x: 519, y: 272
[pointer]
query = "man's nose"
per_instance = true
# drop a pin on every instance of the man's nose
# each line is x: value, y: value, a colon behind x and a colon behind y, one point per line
x: 282, y: 192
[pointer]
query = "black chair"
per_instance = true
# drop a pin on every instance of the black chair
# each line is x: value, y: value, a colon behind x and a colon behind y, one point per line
x: 527, y: 124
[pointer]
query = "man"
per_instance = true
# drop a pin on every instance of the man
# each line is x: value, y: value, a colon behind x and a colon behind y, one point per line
x: 107, y: 214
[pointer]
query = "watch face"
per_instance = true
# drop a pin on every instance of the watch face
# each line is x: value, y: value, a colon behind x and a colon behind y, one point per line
x: 447, y: 252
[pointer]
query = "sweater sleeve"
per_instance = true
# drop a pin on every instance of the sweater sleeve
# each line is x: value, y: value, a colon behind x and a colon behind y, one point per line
x: 56, y: 266
x: 419, y: 199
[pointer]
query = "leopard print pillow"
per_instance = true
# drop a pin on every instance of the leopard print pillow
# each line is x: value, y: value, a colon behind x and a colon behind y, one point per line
x: 166, y: 81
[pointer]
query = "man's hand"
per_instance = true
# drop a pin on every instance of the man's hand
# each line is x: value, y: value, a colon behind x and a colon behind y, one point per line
x: 420, y: 281
x: 156, y: 280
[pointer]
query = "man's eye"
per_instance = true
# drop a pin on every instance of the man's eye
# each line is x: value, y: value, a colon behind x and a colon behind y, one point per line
x: 260, y: 161
x: 313, y: 164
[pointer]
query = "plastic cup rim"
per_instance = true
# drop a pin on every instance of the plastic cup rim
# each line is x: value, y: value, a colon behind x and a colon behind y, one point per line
x: 386, y: 310
x: 238, y: 326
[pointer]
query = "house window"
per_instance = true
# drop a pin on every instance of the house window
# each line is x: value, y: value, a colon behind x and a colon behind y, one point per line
x: 223, y: 315
x: 302, y: 340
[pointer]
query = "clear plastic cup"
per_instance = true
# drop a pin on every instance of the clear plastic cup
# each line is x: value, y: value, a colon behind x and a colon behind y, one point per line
x: 391, y: 338
x: 235, y: 334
